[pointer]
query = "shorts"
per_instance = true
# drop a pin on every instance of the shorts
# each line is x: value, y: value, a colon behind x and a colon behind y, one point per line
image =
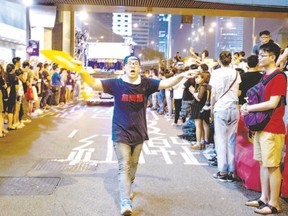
x: 268, y: 148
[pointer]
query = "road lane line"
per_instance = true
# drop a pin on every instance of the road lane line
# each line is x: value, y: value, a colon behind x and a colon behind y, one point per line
x: 72, y: 134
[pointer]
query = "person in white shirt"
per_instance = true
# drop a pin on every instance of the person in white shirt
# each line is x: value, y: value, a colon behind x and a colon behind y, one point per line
x: 224, y: 102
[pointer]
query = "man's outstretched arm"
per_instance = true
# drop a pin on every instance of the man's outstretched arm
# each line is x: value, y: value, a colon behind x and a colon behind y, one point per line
x: 96, y: 84
x: 167, y: 83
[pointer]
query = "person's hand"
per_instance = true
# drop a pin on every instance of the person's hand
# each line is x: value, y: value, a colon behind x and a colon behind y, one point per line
x: 211, y: 117
x: 192, y: 89
x: 190, y: 73
x: 244, y: 110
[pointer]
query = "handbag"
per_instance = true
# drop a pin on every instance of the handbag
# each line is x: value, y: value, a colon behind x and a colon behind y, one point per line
x: 29, y: 94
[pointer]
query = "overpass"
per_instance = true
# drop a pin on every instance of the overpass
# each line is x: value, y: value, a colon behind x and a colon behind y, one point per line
x: 236, y: 8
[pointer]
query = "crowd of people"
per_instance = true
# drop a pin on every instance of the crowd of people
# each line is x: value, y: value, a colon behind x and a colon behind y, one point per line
x: 195, y: 94
x: 216, y: 95
x: 30, y: 88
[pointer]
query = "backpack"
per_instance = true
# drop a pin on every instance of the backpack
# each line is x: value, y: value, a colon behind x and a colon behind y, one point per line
x: 257, y: 121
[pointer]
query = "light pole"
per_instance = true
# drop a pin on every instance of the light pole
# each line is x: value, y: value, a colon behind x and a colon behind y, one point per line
x: 169, y: 40
x: 27, y: 3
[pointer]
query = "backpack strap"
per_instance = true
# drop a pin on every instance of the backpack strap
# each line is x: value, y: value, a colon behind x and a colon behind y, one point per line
x: 270, y: 77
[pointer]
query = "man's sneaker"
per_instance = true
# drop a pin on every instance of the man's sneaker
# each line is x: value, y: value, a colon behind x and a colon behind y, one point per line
x: 213, y: 163
x: 220, y: 177
x: 126, y: 207
x: 230, y: 177
x: 214, y: 158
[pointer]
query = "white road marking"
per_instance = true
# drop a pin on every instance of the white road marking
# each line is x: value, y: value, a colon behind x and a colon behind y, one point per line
x: 154, y: 115
x: 72, y: 134
x: 178, y: 141
x: 77, y: 153
x: 109, y: 155
x: 189, y: 157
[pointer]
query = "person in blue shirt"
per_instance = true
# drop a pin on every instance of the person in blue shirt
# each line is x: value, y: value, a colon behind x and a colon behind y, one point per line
x: 56, y: 84
x: 129, y: 126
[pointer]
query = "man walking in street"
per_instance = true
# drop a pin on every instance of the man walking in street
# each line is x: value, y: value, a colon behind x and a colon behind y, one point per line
x: 269, y: 142
x: 129, y: 127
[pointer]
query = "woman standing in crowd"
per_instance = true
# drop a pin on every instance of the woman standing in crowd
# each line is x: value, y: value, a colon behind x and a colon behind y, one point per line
x: 224, y: 101
x: 177, y: 95
x: 12, y: 82
x: 3, y: 87
x: 38, y: 79
x: 69, y: 86
x: 200, y: 97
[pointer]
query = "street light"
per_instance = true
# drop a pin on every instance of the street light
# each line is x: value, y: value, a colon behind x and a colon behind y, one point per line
x: 83, y: 15
x: 27, y: 3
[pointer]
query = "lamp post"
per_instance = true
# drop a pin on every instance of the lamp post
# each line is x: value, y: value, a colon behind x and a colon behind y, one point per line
x: 27, y: 4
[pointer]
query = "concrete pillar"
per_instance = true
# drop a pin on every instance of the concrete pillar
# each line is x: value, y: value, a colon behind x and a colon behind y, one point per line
x: 64, y: 32
x: 72, y: 33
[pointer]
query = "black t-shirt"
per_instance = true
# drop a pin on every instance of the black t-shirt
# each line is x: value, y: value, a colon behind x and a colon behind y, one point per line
x: 129, y: 116
x: 186, y: 93
x: 2, y: 83
x: 248, y: 80
x: 12, y: 81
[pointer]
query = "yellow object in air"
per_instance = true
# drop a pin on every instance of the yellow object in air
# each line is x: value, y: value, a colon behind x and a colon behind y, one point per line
x: 63, y: 59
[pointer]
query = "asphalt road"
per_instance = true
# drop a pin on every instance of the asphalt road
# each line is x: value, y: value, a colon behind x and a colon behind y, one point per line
x: 63, y: 164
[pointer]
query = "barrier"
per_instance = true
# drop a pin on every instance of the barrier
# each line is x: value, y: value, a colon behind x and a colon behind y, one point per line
x: 247, y: 168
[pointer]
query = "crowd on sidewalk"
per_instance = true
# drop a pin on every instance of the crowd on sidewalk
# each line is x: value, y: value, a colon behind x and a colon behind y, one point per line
x: 30, y: 88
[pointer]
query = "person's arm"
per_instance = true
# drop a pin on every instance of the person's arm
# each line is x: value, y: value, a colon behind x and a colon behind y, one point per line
x: 95, y: 84
x: 192, y: 90
x: 254, y: 50
x: 281, y: 60
x: 267, y: 105
x: 167, y: 83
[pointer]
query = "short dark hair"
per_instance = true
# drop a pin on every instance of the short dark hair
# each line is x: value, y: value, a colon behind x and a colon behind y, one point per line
x: 9, y: 68
x: 15, y: 60
x: 204, y: 67
x: 236, y: 53
x: 271, y: 48
x: 55, y: 66
x: 242, y: 53
x: 252, y: 61
x: 132, y: 57
x: 193, y: 66
x: 46, y: 65
x: 25, y: 64
x: 206, y: 53
x: 265, y: 32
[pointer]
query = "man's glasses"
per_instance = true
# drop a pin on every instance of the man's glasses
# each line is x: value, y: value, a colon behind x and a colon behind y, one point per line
x: 136, y: 63
x: 263, y: 55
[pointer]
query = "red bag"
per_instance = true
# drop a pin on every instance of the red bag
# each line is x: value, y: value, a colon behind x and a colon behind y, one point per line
x: 29, y: 93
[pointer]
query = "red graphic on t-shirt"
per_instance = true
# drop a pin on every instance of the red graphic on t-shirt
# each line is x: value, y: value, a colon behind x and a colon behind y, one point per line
x: 132, y: 98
